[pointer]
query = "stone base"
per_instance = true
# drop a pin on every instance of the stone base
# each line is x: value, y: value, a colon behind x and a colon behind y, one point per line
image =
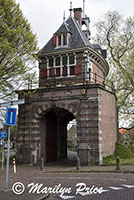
x: 26, y: 155
x: 84, y: 154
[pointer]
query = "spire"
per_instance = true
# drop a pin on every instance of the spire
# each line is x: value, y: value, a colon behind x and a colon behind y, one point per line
x: 83, y: 8
x: 64, y: 16
x: 70, y: 9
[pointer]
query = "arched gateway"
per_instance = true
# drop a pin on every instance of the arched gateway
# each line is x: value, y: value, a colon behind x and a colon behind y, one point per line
x: 72, y: 75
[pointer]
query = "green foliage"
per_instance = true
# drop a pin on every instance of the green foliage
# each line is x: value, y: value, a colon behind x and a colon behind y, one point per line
x: 122, y: 151
x: 116, y: 34
x: 18, y: 48
x: 109, y: 158
x: 126, y: 155
x: 129, y: 161
x: 132, y: 149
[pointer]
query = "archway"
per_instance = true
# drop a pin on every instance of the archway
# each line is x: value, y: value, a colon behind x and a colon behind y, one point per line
x: 54, y: 134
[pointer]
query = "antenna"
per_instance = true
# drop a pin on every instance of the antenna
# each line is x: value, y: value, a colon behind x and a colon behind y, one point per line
x: 70, y: 9
x: 64, y: 16
x: 83, y: 8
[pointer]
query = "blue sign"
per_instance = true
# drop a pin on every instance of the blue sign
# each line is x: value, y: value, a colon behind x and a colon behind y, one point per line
x: 3, y: 134
x: 11, y: 116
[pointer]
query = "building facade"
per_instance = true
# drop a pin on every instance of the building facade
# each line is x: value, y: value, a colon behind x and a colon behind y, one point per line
x: 72, y: 75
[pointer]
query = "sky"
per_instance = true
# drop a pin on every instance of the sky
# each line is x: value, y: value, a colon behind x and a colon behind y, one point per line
x: 46, y: 16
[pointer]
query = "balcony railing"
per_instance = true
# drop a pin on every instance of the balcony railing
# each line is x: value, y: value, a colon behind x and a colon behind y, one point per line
x: 86, y: 79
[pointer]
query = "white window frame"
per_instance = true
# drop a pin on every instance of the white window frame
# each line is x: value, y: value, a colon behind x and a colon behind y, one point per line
x: 61, y: 66
x: 57, y: 46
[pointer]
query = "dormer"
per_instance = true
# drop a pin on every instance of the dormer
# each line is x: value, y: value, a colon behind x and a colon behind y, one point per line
x: 61, y: 38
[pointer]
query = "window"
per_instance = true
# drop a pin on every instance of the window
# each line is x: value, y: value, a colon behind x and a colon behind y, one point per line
x: 59, y: 40
x: 61, y: 65
x: 64, y: 60
x: 71, y: 59
x: 64, y: 39
x: 57, y: 61
x: 51, y: 62
x: 64, y: 71
x: 71, y: 70
x: 58, y: 72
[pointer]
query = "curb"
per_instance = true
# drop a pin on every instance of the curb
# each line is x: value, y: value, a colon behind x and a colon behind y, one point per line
x: 86, y: 171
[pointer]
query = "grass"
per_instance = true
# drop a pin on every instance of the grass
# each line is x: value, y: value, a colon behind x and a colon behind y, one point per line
x: 129, y: 161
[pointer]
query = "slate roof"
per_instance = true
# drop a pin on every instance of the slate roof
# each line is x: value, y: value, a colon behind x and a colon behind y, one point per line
x: 64, y: 28
x: 78, y: 39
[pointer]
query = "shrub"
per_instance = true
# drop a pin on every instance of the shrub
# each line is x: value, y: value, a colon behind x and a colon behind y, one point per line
x: 132, y: 149
x: 122, y: 151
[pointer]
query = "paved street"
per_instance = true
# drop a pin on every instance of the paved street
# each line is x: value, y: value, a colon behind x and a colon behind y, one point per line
x: 115, y: 186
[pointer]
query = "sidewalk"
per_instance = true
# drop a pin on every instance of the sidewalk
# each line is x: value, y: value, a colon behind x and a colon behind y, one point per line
x: 90, y: 169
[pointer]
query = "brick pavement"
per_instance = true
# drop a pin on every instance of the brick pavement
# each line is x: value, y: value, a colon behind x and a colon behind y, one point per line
x: 25, y: 175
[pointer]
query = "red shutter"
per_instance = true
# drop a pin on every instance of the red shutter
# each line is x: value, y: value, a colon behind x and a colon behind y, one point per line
x: 77, y: 70
x: 44, y: 73
x: 52, y: 71
x: 54, y: 39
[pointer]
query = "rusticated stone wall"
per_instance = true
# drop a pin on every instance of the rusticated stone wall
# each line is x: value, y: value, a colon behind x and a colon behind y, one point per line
x: 94, y: 111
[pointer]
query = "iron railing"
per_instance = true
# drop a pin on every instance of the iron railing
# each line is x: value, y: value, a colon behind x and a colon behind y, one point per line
x: 86, y: 79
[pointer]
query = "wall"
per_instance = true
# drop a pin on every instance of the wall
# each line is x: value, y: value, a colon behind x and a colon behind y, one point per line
x: 108, y: 122
x: 94, y: 112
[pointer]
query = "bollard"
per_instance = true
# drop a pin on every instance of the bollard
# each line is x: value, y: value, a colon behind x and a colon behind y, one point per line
x: 14, y: 166
x: 42, y: 165
x: 78, y: 163
x: 117, y: 163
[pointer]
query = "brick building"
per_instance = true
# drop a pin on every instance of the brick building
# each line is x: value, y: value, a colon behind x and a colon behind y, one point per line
x: 72, y: 75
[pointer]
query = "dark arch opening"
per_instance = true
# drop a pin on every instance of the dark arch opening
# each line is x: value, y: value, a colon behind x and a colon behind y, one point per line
x: 54, y: 134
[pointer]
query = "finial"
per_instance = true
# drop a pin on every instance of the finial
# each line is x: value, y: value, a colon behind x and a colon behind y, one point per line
x: 64, y: 16
x: 70, y: 9
x: 83, y: 8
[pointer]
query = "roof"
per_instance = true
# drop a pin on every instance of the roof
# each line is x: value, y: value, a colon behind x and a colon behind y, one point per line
x: 64, y: 28
x: 126, y: 130
x: 78, y: 39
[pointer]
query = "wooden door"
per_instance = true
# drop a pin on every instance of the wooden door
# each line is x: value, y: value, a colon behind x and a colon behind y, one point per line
x: 51, y: 137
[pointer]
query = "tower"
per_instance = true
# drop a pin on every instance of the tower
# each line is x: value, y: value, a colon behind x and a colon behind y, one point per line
x: 72, y: 75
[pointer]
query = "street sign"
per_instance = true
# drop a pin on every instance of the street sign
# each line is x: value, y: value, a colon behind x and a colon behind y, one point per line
x: 11, y: 116
x: 3, y: 134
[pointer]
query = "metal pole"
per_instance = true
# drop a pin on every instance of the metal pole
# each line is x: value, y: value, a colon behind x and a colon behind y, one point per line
x: 2, y: 155
x: 42, y: 164
x: 8, y: 155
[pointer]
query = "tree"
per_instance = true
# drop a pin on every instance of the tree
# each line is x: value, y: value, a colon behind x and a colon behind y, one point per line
x: 18, y: 47
x: 116, y: 33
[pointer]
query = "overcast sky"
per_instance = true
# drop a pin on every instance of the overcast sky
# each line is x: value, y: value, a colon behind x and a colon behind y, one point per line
x: 46, y: 16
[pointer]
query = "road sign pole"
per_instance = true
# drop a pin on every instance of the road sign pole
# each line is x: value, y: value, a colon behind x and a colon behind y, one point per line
x: 2, y: 166
x: 8, y: 155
